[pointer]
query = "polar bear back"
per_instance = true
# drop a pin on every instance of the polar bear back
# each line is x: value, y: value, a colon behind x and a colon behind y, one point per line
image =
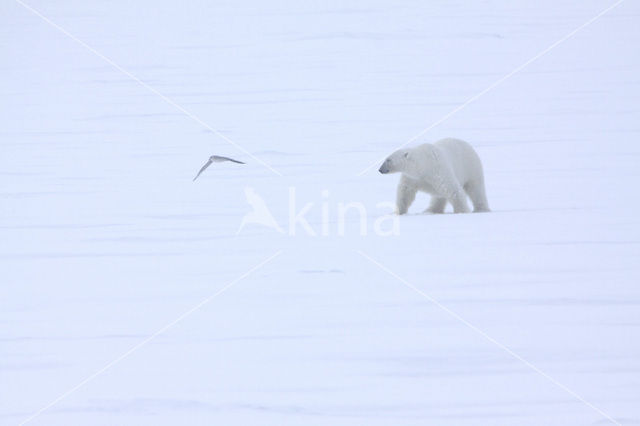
x: 463, y: 159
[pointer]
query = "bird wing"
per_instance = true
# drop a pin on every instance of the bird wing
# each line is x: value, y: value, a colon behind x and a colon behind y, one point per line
x: 203, y: 169
x: 220, y: 159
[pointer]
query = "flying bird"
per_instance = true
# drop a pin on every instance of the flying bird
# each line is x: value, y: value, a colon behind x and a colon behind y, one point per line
x: 216, y: 159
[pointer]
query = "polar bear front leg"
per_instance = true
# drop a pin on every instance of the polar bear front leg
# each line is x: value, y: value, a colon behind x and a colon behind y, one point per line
x: 405, y: 195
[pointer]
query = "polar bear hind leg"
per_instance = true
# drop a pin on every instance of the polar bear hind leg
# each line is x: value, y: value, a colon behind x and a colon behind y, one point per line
x: 437, y: 205
x: 478, y: 196
x: 458, y: 200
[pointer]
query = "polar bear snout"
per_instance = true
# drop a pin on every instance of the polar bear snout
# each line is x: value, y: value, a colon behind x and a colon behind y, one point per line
x: 385, y: 167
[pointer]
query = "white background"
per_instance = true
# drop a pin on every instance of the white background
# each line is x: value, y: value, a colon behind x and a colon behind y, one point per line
x: 104, y: 238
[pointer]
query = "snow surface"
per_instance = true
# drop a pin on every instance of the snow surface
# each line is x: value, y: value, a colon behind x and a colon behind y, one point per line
x: 104, y: 238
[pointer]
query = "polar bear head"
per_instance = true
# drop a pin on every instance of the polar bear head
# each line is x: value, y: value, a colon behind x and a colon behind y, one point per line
x: 396, y: 162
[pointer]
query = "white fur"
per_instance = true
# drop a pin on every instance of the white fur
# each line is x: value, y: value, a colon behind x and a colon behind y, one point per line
x: 449, y: 170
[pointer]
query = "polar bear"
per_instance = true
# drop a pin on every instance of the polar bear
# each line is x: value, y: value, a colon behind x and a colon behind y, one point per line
x: 449, y: 170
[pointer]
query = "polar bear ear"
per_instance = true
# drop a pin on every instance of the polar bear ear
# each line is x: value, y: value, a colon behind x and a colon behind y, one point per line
x: 406, y: 155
